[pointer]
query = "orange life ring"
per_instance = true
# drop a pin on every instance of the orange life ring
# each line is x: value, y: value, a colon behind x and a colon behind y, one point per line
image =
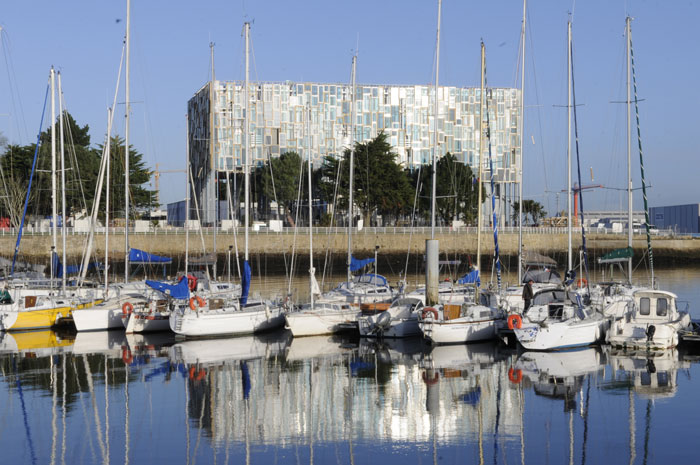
x: 582, y: 282
x: 191, y: 282
x: 514, y: 321
x: 201, y: 375
x: 191, y: 373
x: 200, y: 302
x: 126, y: 355
x: 428, y: 310
x: 431, y: 381
x: 515, y: 376
x: 127, y: 308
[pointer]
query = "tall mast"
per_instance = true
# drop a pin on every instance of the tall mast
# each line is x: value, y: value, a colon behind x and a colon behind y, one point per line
x: 311, y: 222
x: 568, y: 145
x: 246, y: 161
x: 522, y: 148
x: 54, y: 209
x: 108, y: 155
x: 63, y: 182
x: 187, y: 197
x: 352, y: 168
x: 435, y: 144
x: 126, y: 144
x: 629, y: 152
x: 481, y: 165
x: 212, y: 99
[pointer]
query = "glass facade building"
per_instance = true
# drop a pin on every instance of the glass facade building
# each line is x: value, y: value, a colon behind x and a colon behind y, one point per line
x: 293, y: 116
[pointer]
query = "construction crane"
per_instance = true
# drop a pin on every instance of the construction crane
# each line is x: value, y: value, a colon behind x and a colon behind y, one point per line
x: 156, y: 180
x: 576, y: 191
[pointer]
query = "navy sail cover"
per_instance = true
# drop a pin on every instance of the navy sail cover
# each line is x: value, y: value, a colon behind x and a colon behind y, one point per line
x: 176, y: 291
x: 137, y: 256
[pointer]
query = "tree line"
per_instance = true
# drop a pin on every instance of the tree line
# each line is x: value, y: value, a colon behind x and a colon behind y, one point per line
x: 82, y: 164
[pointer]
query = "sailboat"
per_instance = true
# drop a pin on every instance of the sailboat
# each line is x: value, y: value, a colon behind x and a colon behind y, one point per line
x: 643, y: 316
x: 33, y: 307
x: 559, y: 318
x: 470, y: 321
x: 230, y: 316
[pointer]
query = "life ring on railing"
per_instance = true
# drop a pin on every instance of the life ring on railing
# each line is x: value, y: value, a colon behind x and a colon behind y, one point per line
x: 191, y: 372
x: 514, y: 321
x: 127, y: 308
x: 191, y: 282
x: 200, y: 375
x: 126, y: 355
x: 428, y: 310
x: 581, y: 282
x: 515, y: 376
x: 200, y: 302
x: 431, y: 381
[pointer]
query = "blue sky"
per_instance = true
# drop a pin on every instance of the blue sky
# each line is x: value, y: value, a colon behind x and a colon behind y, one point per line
x: 313, y: 40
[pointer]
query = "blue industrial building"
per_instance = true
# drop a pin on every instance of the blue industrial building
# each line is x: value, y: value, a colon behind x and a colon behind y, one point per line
x: 683, y: 219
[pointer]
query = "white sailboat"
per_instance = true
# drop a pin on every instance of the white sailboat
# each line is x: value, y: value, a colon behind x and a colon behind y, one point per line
x: 205, y: 317
x: 467, y: 321
x: 558, y: 318
x: 642, y: 316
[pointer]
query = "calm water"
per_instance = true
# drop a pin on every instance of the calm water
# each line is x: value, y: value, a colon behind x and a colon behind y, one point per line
x: 274, y: 399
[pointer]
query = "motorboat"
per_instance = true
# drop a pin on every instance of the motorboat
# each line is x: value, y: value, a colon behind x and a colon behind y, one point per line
x: 652, y: 321
x: 321, y: 318
x: 397, y: 321
x: 558, y: 319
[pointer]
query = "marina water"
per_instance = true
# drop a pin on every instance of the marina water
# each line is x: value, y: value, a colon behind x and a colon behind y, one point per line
x: 105, y: 397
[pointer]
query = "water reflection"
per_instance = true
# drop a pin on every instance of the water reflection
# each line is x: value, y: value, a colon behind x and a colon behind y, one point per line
x: 107, y: 397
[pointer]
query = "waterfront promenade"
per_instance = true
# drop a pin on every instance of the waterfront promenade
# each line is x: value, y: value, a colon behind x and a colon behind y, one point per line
x: 391, y: 241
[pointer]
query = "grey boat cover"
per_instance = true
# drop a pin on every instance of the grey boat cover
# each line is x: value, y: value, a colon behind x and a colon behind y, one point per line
x: 542, y: 276
x: 531, y: 258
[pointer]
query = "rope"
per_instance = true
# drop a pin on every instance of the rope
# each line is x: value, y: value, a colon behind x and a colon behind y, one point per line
x: 641, y: 165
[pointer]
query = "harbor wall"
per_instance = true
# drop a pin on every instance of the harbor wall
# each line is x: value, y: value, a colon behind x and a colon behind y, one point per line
x: 396, y: 243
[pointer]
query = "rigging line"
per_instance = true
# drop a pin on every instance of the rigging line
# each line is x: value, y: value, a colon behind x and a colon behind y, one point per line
x: 9, y: 66
x: 578, y: 166
x: 31, y: 177
x: 328, y: 247
x: 539, y: 110
x: 296, y: 222
x: 641, y: 164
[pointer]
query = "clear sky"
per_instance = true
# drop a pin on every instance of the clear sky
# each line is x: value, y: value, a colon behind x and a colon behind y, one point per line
x: 313, y: 40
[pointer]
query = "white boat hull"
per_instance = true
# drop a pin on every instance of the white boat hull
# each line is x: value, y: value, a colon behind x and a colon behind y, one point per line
x: 138, y: 322
x: 98, y: 318
x: 226, y: 322
x: 459, y: 330
x: 560, y: 335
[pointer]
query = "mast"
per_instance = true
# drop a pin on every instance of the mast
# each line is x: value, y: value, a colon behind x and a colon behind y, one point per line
x: 522, y: 149
x: 432, y: 247
x: 435, y: 146
x: 54, y: 210
x: 246, y: 161
x: 211, y: 153
x: 108, y: 155
x: 352, y: 169
x: 126, y: 145
x: 568, y: 146
x: 312, y: 271
x: 63, y: 182
x: 187, y: 197
x: 481, y: 165
x: 629, y: 151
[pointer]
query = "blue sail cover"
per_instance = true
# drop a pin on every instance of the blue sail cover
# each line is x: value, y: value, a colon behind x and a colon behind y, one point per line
x: 144, y: 258
x: 245, y: 282
x: 58, y: 269
x: 471, y: 277
x: 176, y: 291
x: 356, y: 264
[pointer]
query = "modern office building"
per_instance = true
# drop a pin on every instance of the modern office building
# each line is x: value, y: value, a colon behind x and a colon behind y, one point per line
x: 279, y: 113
